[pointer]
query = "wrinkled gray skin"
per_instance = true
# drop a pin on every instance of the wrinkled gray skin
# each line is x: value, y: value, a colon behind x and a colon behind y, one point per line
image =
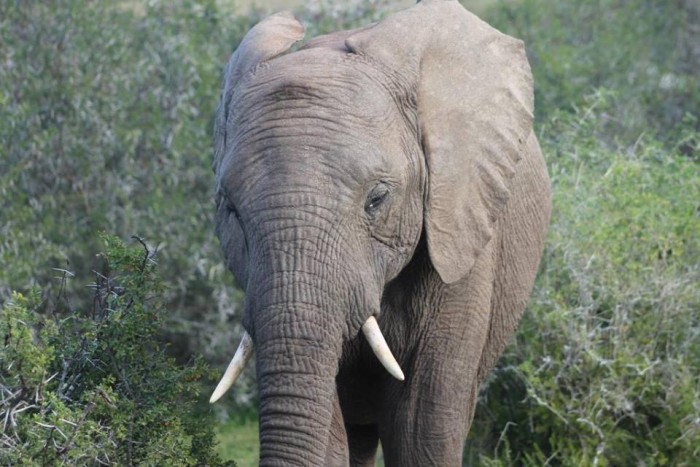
x: 389, y: 171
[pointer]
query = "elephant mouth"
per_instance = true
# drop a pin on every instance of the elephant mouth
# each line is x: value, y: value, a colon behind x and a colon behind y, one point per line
x: 245, y: 351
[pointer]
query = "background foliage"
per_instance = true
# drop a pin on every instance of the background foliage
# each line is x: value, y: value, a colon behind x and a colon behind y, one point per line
x: 105, y: 125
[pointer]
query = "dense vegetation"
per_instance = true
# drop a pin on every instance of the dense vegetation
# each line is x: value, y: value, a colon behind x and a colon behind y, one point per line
x: 105, y: 125
x: 95, y: 387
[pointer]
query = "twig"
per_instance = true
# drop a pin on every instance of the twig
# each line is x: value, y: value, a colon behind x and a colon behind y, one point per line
x: 147, y: 252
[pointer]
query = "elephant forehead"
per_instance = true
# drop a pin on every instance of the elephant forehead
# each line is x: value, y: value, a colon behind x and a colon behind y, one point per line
x: 313, y: 151
x: 314, y: 113
x: 318, y: 82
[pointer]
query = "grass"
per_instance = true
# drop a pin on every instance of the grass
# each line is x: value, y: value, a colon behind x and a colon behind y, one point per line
x: 238, y: 441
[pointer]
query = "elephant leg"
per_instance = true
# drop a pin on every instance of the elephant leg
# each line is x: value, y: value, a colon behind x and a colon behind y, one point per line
x: 363, y: 441
x: 429, y: 414
x: 428, y: 425
x: 337, y: 454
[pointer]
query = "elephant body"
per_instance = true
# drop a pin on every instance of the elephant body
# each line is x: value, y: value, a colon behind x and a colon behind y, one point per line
x: 386, y: 173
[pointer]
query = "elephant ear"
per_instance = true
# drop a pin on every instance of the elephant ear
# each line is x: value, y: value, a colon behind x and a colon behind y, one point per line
x: 266, y: 40
x: 474, y: 95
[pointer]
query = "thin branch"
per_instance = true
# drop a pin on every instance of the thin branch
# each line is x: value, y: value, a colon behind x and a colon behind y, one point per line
x: 147, y: 253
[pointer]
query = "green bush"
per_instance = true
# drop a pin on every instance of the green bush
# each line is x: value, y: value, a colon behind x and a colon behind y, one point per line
x: 95, y: 386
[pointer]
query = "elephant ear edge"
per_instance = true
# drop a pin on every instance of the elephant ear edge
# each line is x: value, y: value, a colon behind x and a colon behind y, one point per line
x: 268, y: 39
x: 475, y: 110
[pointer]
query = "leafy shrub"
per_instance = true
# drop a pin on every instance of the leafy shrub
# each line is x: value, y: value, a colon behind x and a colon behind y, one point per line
x: 606, y: 366
x: 96, y: 387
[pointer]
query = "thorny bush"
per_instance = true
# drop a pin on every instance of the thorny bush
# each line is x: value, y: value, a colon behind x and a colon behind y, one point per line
x: 96, y: 387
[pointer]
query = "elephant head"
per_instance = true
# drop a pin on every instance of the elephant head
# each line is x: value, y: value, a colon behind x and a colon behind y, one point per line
x: 332, y: 163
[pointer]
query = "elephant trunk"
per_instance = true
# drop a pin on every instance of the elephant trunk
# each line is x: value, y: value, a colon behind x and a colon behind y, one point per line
x: 297, y: 361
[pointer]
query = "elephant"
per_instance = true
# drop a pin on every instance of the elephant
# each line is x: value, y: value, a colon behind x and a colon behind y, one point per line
x: 382, y: 199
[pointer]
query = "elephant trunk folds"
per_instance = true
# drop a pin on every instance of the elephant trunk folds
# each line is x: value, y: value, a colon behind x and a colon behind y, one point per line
x: 297, y: 361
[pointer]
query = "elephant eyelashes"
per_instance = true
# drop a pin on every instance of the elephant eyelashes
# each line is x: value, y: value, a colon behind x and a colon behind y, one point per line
x: 376, y: 198
x: 232, y: 209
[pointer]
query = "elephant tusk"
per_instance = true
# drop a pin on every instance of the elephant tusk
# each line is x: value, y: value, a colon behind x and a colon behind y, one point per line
x: 378, y: 344
x: 238, y: 363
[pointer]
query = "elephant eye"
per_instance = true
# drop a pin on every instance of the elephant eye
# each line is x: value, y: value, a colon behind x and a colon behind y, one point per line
x: 228, y: 205
x: 232, y: 210
x: 376, y: 197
